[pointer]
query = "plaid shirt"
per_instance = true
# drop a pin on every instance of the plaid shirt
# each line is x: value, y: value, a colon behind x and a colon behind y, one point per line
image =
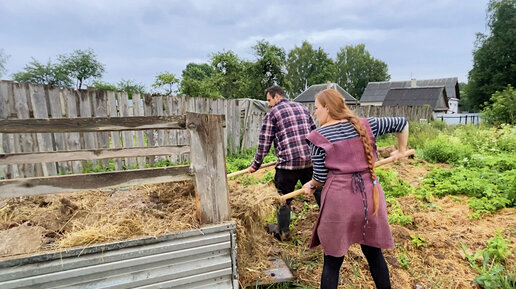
x: 287, y: 124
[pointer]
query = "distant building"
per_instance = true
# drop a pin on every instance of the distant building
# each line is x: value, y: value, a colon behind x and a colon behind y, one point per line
x: 308, y: 96
x: 435, y: 97
x: 376, y: 92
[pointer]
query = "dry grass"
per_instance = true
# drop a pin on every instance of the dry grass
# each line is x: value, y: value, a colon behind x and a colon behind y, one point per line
x: 250, y: 208
x: 86, y: 218
x: 93, y: 217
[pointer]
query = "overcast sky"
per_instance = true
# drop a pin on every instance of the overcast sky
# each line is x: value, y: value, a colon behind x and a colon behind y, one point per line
x: 136, y: 40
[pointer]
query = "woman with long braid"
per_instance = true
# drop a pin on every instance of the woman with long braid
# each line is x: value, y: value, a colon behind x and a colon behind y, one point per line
x: 353, y: 208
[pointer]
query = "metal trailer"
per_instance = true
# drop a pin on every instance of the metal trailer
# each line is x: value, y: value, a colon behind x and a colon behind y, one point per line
x: 203, y: 258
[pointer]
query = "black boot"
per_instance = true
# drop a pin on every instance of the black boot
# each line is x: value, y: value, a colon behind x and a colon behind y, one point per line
x: 283, y: 216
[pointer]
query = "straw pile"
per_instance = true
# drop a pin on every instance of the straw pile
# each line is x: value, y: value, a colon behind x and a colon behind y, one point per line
x: 64, y: 221
x: 93, y: 217
x: 250, y: 207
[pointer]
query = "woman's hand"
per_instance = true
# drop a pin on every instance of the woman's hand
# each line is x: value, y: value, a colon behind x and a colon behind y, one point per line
x: 307, y: 191
x: 398, y: 154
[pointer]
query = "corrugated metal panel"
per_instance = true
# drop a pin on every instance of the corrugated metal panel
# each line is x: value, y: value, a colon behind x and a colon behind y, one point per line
x: 204, y: 258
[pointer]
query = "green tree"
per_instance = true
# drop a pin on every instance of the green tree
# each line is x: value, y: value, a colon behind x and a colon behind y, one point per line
x: 323, y: 68
x: 502, y: 107
x: 165, y: 80
x: 199, y: 80
x: 49, y: 73
x: 3, y: 61
x: 104, y: 86
x: 307, y: 66
x: 355, y: 68
x: 229, y: 74
x: 299, y: 67
x: 131, y: 87
x: 463, y: 88
x: 269, y: 69
x: 82, y: 65
x: 494, y: 56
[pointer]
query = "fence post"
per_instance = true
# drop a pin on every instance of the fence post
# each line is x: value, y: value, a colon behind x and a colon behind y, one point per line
x: 208, y: 163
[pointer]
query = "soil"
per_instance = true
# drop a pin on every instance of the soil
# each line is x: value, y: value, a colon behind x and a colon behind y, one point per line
x: 10, y: 240
x: 439, y: 263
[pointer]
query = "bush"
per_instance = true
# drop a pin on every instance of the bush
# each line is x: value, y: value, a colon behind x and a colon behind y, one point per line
x: 481, y: 139
x: 502, y: 108
x: 420, y: 134
x: 506, y: 183
x: 507, y: 138
x: 446, y: 149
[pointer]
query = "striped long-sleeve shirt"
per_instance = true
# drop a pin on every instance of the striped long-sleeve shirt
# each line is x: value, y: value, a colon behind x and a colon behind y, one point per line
x: 286, y: 125
x: 345, y: 130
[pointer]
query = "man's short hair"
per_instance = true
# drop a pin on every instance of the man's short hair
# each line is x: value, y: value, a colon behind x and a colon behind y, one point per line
x: 275, y: 89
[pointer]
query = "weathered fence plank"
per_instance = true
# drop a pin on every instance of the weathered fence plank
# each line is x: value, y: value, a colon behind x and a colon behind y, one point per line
x: 184, y: 136
x: 127, y: 136
x: 115, y: 135
x: 27, y: 140
x: 40, y: 109
x: 3, y: 114
x: 56, y: 111
x: 149, y: 134
x: 8, y: 143
x: 171, y: 135
x: 73, y: 138
x: 85, y: 111
x: 157, y: 110
x: 92, y: 124
x: 208, y: 165
x: 236, y: 123
x: 69, y: 183
x: 97, y: 154
x: 101, y: 110
x: 140, y: 139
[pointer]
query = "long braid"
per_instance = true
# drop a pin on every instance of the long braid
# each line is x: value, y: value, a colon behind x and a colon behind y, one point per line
x: 368, y: 149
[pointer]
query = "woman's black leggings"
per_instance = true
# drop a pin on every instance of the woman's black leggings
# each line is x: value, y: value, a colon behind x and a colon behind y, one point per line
x: 377, y: 266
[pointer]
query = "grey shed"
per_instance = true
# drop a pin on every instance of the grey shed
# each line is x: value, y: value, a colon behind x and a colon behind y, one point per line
x: 308, y: 96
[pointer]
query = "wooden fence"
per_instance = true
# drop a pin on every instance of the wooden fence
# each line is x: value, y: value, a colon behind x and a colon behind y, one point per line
x: 29, y: 101
x: 252, y: 122
x: 199, y: 258
x: 208, y: 167
x: 412, y: 113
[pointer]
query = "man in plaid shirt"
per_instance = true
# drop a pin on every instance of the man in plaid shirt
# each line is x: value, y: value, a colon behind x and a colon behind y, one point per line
x: 286, y: 124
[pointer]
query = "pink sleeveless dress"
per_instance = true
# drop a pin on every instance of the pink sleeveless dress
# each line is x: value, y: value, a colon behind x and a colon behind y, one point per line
x: 346, y: 213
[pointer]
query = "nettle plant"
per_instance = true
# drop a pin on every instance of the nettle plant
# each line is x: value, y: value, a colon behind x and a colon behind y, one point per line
x: 489, y: 263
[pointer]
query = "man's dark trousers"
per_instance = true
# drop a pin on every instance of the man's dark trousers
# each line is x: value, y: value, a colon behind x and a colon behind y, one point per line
x: 285, y: 181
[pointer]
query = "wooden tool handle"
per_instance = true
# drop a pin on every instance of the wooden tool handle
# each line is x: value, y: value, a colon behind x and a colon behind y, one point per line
x: 237, y: 173
x: 377, y: 164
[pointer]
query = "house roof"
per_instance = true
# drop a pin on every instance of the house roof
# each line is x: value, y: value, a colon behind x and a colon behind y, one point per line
x: 376, y: 91
x: 418, y: 96
x: 309, y: 94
